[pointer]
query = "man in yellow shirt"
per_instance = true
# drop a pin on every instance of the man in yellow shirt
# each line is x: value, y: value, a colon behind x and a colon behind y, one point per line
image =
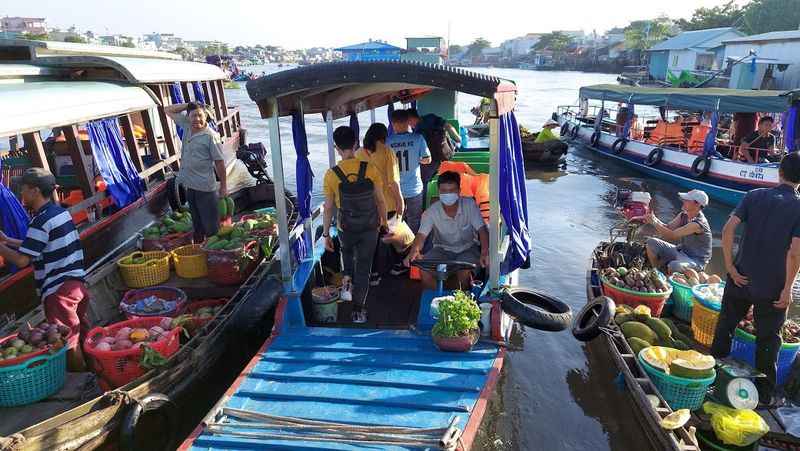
x: 356, y: 189
x: 547, y: 132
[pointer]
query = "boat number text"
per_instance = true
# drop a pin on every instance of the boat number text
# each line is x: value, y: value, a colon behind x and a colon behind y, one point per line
x: 752, y: 173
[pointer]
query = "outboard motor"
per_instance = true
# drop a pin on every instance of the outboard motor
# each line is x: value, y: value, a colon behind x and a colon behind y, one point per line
x: 253, y: 156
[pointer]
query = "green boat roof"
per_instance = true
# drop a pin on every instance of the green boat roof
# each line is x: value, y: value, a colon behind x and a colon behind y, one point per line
x: 696, y: 99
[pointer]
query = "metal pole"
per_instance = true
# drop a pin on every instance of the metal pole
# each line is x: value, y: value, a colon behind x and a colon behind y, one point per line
x: 494, y: 198
x: 280, y: 192
x: 372, y: 116
x: 331, y: 151
x: 307, y: 225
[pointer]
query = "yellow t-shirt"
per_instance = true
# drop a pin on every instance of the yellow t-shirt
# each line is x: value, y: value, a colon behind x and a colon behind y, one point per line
x: 330, y: 183
x: 545, y: 135
x: 385, y: 162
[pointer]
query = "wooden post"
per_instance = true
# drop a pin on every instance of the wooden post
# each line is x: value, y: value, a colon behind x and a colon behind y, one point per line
x: 494, y: 199
x: 166, y: 126
x: 152, y: 141
x: 206, y: 92
x: 33, y: 144
x: 229, y: 125
x: 126, y: 124
x: 80, y: 160
x: 215, y: 100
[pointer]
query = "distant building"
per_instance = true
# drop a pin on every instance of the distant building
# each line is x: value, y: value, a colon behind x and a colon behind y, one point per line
x: 690, y: 51
x: 20, y: 25
x: 425, y: 50
x: 775, y: 65
x: 371, y: 51
x: 117, y: 40
x: 521, y: 46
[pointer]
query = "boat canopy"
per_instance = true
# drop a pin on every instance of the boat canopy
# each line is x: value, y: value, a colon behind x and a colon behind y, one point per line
x: 21, y: 71
x: 24, y: 49
x: 696, y: 99
x: 139, y: 70
x: 46, y: 104
x: 352, y: 87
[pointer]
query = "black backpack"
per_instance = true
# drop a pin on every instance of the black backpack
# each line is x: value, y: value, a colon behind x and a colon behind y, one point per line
x: 433, y: 129
x: 358, y: 211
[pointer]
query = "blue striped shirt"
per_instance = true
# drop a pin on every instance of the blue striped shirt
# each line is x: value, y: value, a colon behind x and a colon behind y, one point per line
x: 54, y: 246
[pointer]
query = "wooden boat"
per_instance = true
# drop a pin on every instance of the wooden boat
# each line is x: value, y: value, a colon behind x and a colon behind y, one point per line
x: 383, y: 385
x: 129, y: 85
x: 552, y: 153
x: 724, y: 179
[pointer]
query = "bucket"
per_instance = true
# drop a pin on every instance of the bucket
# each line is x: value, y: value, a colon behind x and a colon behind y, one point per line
x: 325, y: 305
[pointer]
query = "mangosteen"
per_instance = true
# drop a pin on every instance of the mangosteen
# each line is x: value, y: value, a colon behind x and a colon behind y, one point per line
x: 63, y: 330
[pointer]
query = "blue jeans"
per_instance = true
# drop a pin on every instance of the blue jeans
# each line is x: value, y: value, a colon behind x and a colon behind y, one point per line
x: 413, y: 213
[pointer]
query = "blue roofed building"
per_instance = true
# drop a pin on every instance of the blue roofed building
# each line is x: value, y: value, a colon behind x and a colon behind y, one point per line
x: 700, y: 50
x: 371, y: 51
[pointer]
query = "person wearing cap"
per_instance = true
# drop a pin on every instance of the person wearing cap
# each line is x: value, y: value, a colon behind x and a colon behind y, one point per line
x: 547, y: 132
x: 52, y: 245
x: 764, y: 270
x: 689, y: 229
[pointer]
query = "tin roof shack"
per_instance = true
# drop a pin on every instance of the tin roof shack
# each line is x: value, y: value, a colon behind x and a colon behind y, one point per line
x: 432, y: 50
x: 371, y: 51
x: 699, y: 50
x: 775, y: 64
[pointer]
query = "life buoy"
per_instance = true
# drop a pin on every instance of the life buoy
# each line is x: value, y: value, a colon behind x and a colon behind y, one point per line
x: 153, y: 403
x: 619, y: 146
x: 595, y: 139
x: 701, y: 166
x: 537, y: 310
x: 565, y: 129
x: 592, y: 318
x: 654, y: 157
x: 575, y: 130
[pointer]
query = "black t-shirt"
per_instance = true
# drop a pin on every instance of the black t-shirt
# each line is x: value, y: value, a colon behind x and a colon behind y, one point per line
x: 760, y: 143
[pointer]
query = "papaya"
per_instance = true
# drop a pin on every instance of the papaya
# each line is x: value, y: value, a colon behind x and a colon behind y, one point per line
x: 230, y: 206
x: 638, y: 330
x: 660, y: 328
x: 623, y: 318
x: 222, y: 208
x: 637, y: 344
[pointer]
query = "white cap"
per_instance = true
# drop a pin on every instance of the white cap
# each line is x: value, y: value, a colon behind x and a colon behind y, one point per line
x: 696, y: 195
x: 550, y: 122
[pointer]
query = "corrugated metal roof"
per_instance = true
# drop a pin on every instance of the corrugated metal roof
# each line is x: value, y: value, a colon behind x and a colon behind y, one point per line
x: 140, y: 70
x: 35, y: 106
x: 43, y: 48
x: 701, y: 38
x: 772, y: 36
x: 372, y: 45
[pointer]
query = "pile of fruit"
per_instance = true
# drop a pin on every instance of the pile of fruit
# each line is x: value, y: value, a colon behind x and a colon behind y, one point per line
x: 226, y: 208
x: 712, y: 292
x: 234, y: 237
x: 30, y: 340
x: 641, y: 280
x: 790, y: 332
x: 258, y: 221
x: 691, y: 277
x: 190, y: 322
x: 688, y: 364
x: 643, y: 330
x: 132, y: 338
x: 177, y: 222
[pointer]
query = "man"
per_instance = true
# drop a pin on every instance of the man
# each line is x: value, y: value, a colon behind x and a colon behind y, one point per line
x: 547, y: 132
x: 201, y: 157
x: 53, y: 246
x: 411, y: 152
x: 400, y: 238
x: 759, y: 146
x: 355, y: 188
x: 690, y: 229
x: 459, y: 231
x: 764, y: 270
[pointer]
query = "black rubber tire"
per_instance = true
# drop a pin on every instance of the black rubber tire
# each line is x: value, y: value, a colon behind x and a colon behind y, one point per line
x: 595, y: 139
x: 619, y: 146
x: 565, y: 129
x: 701, y: 166
x: 150, y: 403
x: 594, y: 315
x: 536, y: 309
x: 575, y: 131
x: 654, y: 157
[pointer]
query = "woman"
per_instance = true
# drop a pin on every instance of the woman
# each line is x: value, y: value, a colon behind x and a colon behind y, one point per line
x: 201, y: 157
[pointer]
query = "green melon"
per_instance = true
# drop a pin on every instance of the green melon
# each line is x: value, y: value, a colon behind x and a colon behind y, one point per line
x: 660, y: 328
x: 638, y: 330
x: 637, y: 344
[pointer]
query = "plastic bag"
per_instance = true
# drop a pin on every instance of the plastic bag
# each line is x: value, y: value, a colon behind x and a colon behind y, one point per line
x: 738, y: 427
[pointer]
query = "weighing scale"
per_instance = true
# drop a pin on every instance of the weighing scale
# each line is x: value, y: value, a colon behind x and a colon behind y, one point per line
x: 734, y: 386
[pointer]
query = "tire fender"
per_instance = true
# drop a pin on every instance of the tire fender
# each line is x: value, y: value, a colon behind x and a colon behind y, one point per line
x: 575, y: 131
x: 619, y: 146
x: 595, y: 139
x: 536, y: 309
x: 592, y: 317
x: 565, y: 129
x: 701, y: 166
x: 150, y: 403
x: 654, y: 157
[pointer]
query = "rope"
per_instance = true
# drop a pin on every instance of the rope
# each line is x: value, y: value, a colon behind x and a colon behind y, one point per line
x: 12, y: 442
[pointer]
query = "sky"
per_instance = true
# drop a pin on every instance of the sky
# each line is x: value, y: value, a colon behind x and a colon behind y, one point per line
x: 311, y: 23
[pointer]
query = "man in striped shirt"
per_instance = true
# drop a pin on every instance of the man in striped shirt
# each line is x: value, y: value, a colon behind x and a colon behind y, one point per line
x: 52, y: 245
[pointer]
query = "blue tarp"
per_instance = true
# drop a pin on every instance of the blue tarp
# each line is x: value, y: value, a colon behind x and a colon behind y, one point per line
x: 389, y: 111
x: 12, y: 213
x: 113, y: 161
x: 176, y: 96
x: 710, y: 144
x: 512, y: 195
x: 355, y: 127
x: 790, y: 128
x: 198, y: 92
x: 626, y: 130
x: 305, y: 181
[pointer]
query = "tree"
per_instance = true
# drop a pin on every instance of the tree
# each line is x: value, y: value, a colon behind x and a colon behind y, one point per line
x: 725, y: 15
x: 128, y: 44
x: 643, y: 34
x: 477, y: 47
x: 184, y: 53
x: 763, y: 16
x: 34, y: 36
x: 555, y: 41
x: 75, y: 38
x: 454, y: 49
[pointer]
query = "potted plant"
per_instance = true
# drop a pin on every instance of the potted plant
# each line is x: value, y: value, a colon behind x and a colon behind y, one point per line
x: 456, y: 329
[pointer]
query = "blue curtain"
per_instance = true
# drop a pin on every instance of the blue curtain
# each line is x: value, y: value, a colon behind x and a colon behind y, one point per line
x: 710, y: 144
x: 12, y: 213
x: 305, y: 180
x: 355, y: 127
x: 790, y: 128
x: 513, y: 198
x: 176, y: 96
x: 198, y: 92
x: 598, y: 121
x: 390, y: 110
x: 113, y: 161
x: 626, y: 130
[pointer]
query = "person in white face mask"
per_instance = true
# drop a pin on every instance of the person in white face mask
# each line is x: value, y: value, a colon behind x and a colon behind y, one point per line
x: 459, y: 233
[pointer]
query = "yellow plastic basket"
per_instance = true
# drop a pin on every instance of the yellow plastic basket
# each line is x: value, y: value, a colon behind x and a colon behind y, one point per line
x: 154, y: 271
x: 704, y: 323
x: 190, y: 261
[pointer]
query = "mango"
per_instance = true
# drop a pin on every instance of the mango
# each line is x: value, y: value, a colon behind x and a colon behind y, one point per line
x: 638, y: 330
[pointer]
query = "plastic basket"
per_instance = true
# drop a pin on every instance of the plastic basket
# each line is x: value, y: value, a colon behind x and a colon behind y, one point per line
x: 190, y: 261
x: 684, y: 300
x: 165, y: 293
x: 154, y: 271
x: 196, y: 305
x: 743, y: 348
x: 234, y: 266
x: 679, y: 392
x: 34, y: 379
x: 167, y: 242
x: 117, y: 368
x: 700, y: 298
x: 632, y: 298
x: 704, y: 323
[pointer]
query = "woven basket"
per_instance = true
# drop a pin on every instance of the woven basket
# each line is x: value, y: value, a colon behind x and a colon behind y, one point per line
x: 634, y: 299
x: 154, y: 271
x: 190, y: 261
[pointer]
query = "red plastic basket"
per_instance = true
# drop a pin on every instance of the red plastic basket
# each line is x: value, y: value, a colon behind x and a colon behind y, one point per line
x: 655, y: 301
x: 165, y: 293
x: 167, y: 242
x: 22, y: 358
x: 197, y: 305
x: 117, y: 368
x: 232, y: 267
x: 261, y: 233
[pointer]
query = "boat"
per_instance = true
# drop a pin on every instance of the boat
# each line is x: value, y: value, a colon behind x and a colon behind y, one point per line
x: 546, y: 154
x: 384, y: 385
x: 130, y: 86
x: 666, y: 157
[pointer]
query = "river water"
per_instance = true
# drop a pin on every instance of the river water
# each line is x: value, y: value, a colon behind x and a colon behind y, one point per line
x: 555, y: 394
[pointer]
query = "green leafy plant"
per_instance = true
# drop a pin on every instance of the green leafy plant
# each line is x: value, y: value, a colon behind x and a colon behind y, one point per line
x: 458, y: 316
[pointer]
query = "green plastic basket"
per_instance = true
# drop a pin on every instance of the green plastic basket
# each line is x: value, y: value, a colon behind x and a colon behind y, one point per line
x: 683, y: 299
x: 33, y: 380
x: 679, y: 392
